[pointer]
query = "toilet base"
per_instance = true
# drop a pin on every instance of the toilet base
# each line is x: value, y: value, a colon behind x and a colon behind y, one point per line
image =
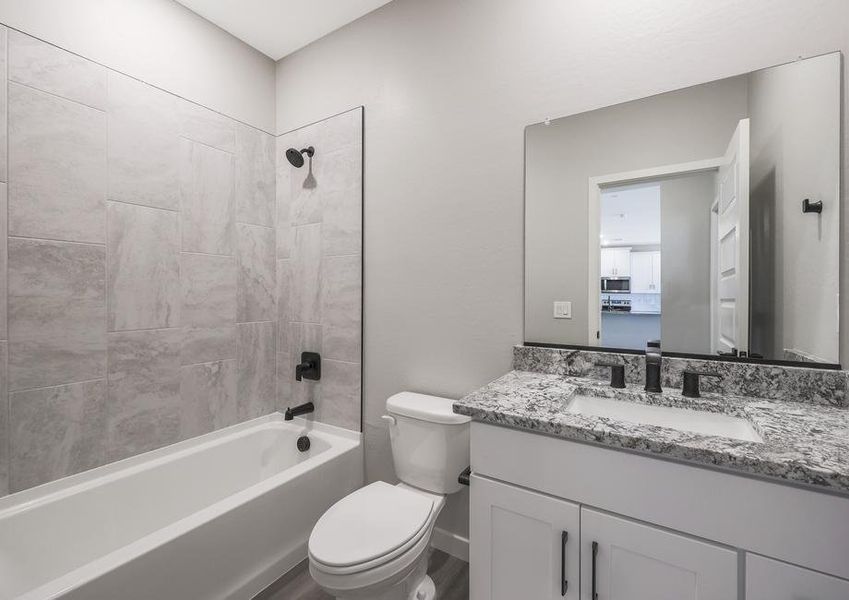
x: 415, y: 585
x: 426, y: 591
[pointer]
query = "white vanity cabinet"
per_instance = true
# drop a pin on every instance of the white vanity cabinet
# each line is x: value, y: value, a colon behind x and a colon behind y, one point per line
x: 615, y: 262
x: 768, y: 579
x: 625, y: 560
x: 525, y: 544
x: 645, y: 272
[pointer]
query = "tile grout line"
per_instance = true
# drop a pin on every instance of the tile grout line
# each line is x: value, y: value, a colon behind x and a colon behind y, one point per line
x: 51, y: 94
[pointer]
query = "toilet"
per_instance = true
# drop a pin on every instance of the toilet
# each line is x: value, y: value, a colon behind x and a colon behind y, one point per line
x: 375, y: 543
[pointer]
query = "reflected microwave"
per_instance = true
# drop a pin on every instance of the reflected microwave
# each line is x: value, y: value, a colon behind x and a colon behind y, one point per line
x: 615, y: 285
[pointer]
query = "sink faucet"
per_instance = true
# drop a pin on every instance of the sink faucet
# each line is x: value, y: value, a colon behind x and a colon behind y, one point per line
x: 653, y: 361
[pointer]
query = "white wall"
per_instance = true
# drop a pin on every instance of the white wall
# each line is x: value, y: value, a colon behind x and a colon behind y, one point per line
x: 795, y: 140
x: 448, y: 88
x: 160, y: 42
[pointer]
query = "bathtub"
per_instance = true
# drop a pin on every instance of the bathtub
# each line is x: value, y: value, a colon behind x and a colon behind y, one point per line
x: 219, y: 516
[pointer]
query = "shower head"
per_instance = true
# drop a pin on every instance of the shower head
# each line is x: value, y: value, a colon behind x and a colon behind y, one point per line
x: 296, y: 157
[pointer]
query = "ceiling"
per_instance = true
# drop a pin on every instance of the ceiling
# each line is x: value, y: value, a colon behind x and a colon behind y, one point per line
x: 279, y: 27
x: 630, y: 215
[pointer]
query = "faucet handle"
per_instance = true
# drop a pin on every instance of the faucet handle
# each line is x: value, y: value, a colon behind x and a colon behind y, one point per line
x: 691, y: 382
x: 617, y: 374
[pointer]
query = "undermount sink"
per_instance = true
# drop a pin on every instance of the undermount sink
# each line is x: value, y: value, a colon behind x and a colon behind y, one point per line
x: 682, y: 419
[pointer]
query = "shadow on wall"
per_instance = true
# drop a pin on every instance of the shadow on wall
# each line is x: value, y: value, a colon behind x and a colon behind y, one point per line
x: 766, y: 326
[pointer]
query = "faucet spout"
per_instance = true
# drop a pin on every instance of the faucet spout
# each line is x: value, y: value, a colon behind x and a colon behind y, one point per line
x: 654, y: 361
x: 303, y: 409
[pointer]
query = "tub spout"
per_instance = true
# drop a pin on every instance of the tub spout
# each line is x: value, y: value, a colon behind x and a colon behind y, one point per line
x: 303, y: 409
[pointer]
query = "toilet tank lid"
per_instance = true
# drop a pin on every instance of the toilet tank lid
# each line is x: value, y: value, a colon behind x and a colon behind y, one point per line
x: 425, y: 408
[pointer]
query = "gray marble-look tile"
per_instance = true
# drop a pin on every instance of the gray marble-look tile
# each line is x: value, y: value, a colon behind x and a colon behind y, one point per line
x: 57, y: 167
x: 56, y: 432
x: 4, y: 420
x: 340, y: 397
x: 46, y: 67
x: 144, y: 391
x: 257, y: 353
x: 284, y: 381
x: 256, y: 273
x: 284, y: 302
x: 342, y: 224
x: 4, y: 175
x: 341, y: 131
x: 206, y: 198
x: 144, y: 145
x: 209, y: 399
x: 306, y: 275
x: 57, y: 307
x: 255, y: 176
x: 284, y: 197
x: 341, y: 307
x: 4, y: 334
x: 144, y: 267
x: 206, y: 126
x: 209, y: 307
x: 304, y: 337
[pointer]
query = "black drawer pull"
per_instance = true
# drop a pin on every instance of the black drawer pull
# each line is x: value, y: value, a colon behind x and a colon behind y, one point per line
x: 564, y: 584
x: 595, y: 554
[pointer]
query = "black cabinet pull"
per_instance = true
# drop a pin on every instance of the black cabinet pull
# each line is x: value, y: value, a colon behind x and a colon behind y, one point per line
x: 595, y: 553
x: 564, y: 584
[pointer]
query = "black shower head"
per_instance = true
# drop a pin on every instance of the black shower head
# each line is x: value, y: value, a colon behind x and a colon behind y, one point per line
x: 296, y: 157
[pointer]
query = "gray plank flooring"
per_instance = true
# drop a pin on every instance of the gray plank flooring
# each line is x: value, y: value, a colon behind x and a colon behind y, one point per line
x: 451, y: 576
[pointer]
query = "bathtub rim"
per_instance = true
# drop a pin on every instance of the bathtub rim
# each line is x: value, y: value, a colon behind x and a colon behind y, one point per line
x: 345, y: 441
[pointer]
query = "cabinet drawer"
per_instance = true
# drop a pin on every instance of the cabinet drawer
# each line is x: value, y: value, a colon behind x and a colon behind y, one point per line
x: 768, y: 579
x: 625, y: 560
x: 521, y: 544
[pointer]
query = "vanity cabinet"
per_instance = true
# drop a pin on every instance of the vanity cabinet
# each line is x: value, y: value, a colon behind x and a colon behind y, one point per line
x: 645, y: 272
x: 768, y: 579
x: 625, y: 560
x: 615, y: 262
x: 525, y: 544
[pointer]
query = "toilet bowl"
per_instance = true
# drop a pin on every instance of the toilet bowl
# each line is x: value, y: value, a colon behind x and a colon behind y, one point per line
x: 375, y: 543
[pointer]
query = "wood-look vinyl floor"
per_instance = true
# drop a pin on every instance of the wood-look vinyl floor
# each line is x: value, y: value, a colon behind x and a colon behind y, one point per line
x: 451, y: 576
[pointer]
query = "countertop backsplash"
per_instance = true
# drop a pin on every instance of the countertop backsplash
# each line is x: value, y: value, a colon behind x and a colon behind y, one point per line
x: 774, y: 382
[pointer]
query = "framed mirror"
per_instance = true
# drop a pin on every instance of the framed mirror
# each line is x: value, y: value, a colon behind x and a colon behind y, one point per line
x: 707, y: 218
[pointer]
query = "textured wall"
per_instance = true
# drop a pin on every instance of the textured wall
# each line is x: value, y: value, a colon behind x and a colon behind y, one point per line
x: 319, y: 266
x: 141, y: 267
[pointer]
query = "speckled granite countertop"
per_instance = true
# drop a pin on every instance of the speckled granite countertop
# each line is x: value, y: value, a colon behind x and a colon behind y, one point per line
x: 802, y: 443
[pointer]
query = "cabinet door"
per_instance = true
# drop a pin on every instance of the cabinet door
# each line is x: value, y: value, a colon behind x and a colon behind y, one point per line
x: 607, y: 264
x: 638, y: 562
x: 641, y: 272
x: 623, y: 262
x: 521, y: 544
x: 655, y: 272
x: 768, y: 579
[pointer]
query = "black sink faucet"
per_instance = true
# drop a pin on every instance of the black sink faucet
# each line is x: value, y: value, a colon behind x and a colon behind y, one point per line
x: 653, y: 362
x: 303, y: 409
x: 310, y: 367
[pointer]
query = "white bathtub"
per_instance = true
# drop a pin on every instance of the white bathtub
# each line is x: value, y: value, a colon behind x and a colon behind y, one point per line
x: 218, y: 516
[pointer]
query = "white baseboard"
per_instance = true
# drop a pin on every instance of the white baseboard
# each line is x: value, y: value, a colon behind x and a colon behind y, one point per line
x: 450, y: 543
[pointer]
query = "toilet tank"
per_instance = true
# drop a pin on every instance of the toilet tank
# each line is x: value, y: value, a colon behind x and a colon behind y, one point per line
x: 430, y: 443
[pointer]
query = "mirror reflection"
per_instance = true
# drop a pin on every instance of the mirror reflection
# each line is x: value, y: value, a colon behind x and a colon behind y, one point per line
x: 707, y: 218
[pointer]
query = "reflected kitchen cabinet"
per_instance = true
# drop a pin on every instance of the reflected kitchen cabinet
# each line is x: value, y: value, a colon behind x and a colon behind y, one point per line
x: 645, y: 272
x: 615, y: 262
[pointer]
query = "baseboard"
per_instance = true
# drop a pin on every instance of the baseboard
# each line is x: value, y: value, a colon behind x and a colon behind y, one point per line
x: 450, y: 543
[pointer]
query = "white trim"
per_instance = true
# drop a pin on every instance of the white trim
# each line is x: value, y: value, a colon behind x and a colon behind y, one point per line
x: 450, y: 543
x: 594, y: 187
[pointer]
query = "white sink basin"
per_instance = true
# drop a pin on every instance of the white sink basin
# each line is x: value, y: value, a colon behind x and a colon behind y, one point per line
x: 682, y: 419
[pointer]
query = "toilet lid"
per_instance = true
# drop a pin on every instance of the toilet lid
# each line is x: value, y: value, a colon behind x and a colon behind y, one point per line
x: 368, y: 524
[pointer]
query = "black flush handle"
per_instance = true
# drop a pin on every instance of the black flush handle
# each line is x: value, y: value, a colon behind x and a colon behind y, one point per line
x: 464, y: 477
x: 811, y: 207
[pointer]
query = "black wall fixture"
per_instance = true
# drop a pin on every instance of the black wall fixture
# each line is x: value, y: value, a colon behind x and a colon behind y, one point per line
x: 811, y: 207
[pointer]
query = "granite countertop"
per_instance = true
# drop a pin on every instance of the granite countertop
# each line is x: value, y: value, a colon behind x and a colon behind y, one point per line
x: 802, y: 443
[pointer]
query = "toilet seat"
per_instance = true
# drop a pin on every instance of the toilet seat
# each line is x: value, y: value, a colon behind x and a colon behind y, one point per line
x: 371, y: 527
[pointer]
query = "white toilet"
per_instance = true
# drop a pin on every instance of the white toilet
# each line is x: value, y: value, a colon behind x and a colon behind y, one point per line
x: 375, y: 542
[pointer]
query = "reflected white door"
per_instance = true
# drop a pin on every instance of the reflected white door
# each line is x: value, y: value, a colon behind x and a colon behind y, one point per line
x: 732, y: 246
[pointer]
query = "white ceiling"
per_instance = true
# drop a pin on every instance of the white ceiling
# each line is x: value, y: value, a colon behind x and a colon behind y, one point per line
x: 279, y: 27
x: 630, y: 215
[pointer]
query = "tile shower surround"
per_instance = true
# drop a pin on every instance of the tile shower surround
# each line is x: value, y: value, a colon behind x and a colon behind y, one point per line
x: 139, y: 260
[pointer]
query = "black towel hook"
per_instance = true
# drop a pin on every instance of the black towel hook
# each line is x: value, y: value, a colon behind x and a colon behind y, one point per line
x: 811, y: 207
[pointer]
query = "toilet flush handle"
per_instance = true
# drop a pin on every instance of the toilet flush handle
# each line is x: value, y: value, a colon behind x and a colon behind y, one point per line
x: 389, y: 419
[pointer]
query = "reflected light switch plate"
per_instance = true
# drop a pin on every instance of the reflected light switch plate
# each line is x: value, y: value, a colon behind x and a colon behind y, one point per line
x: 562, y: 310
